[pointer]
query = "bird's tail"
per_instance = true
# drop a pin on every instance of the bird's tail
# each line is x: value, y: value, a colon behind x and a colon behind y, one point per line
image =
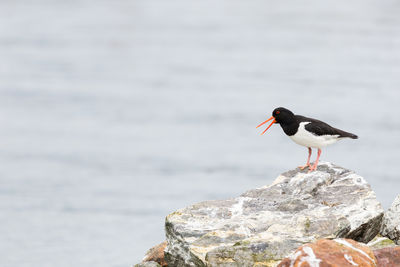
x: 346, y: 134
x: 353, y: 136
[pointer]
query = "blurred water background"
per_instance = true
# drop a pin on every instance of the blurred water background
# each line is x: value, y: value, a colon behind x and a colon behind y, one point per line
x: 115, y: 113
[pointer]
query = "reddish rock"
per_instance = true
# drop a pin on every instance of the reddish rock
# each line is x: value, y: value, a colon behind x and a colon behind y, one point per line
x: 331, y: 253
x: 388, y: 257
x: 156, y: 254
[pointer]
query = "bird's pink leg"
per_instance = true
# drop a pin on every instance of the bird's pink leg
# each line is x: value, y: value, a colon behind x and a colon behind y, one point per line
x: 308, y: 160
x: 314, y: 167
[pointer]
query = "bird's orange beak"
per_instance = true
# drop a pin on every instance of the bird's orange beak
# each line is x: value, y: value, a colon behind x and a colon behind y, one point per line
x: 273, y: 121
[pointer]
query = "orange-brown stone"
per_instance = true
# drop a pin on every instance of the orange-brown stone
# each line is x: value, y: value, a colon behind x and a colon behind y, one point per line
x: 156, y: 254
x: 331, y: 253
x: 388, y: 257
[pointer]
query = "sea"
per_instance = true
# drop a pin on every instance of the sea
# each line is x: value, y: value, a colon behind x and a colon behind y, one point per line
x: 114, y: 114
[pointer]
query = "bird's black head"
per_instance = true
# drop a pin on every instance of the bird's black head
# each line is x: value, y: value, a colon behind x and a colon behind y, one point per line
x: 280, y: 115
x: 283, y: 116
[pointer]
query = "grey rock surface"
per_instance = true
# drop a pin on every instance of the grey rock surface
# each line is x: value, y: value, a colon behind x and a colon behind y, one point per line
x: 148, y: 264
x: 263, y: 225
x: 391, y: 222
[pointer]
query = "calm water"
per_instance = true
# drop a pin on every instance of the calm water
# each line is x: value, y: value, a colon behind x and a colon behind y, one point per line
x: 115, y: 113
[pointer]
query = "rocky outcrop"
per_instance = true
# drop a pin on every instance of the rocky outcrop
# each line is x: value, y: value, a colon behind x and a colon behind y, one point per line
x: 344, y: 253
x: 148, y: 264
x: 333, y: 253
x: 391, y: 222
x: 154, y: 257
x: 263, y: 225
x: 388, y: 257
x: 156, y: 254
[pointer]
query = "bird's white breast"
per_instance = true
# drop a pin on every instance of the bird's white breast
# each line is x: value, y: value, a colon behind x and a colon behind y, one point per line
x: 308, y: 139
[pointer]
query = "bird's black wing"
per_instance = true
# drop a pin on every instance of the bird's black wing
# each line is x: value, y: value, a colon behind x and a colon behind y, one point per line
x: 318, y: 127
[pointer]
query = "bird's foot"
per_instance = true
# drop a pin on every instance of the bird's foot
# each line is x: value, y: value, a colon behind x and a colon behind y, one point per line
x: 313, y: 168
x: 304, y: 166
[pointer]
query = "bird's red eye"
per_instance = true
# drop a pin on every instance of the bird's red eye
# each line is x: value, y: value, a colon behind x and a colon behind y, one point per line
x: 278, y: 112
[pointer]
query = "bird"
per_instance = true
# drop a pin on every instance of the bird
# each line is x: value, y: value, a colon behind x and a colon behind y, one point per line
x: 307, y: 132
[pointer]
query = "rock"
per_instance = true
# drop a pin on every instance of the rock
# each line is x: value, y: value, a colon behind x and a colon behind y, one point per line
x: 391, y: 222
x: 263, y: 225
x: 156, y: 254
x: 332, y: 253
x: 388, y: 257
x: 148, y: 264
x: 380, y: 242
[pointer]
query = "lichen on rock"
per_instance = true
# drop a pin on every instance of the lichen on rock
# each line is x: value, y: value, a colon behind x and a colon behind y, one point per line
x: 380, y: 242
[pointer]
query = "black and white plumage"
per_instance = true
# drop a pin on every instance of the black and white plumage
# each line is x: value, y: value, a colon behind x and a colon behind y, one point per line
x: 307, y: 132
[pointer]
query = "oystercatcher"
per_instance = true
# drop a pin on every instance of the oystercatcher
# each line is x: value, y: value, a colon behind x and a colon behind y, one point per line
x: 307, y: 132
